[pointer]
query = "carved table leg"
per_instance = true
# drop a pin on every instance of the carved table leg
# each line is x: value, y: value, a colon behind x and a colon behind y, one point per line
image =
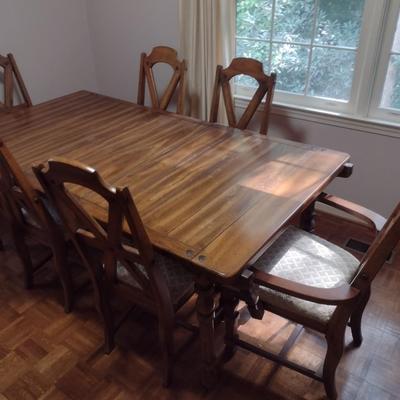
x: 229, y: 303
x: 205, y: 308
x: 307, y: 219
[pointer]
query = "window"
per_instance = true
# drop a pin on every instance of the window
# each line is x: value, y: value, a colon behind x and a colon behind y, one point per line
x: 333, y: 55
x: 391, y: 91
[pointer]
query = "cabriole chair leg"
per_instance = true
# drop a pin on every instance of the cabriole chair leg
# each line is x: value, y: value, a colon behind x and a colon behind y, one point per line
x: 335, y: 346
x: 356, y: 318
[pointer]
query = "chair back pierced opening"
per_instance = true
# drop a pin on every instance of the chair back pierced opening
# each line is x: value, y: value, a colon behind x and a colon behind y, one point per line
x: 169, y: 56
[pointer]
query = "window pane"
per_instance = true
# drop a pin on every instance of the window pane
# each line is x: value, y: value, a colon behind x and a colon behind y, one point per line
x: 331, y: 73
x: 396, y: 42
x: 339, y: 22
x: 253, y: 18
x: 391, y: 91
x: 294, y: 20
x: 329, y: 29
x: 290, y: 63
x: 252, y: 49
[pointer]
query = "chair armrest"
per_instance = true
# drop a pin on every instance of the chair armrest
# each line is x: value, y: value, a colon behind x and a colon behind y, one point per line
x: 331, y: 296
x: 371, y: 218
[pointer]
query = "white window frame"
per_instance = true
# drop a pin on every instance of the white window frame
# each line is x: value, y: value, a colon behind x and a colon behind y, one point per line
x: 379, y: 16
x: 376, y: 111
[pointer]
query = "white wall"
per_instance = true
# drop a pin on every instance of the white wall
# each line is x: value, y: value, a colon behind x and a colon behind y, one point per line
x: 375, y: 182
x: 51, y: 43
x: 121, y: 30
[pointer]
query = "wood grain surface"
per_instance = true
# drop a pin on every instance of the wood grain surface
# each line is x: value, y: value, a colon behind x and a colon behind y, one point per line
x: 207, y: 193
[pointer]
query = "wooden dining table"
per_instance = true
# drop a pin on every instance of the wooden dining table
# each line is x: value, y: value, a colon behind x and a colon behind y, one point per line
x: 211, y: 195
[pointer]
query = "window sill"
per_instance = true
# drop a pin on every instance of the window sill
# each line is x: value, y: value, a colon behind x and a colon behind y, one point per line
x: 364, y: 125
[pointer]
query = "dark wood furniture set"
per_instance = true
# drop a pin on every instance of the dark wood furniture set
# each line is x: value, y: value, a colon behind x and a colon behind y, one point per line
x: 196, y: 207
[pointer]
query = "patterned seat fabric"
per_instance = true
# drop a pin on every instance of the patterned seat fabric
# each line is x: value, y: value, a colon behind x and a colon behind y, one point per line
x: 305, y: 258
x: 179, y: 280
x: 50, y: 209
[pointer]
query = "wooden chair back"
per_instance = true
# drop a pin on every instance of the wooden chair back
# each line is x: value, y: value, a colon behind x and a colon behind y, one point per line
x: 10, y: 69
x: 165, y: 55
x: 379, y: 251
x: 121, y: 240
x: 22, y: 199
x: 266, y: 87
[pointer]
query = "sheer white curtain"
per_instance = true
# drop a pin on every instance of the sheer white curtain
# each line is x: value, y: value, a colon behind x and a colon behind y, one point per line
x: 206, y: 33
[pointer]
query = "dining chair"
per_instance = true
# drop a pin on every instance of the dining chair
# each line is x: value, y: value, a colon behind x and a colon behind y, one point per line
x: 11, y: 70
x: 314, y: 283
x: 31, y: 219
x: 118, y: 254
x: 169, y: 56
x: 266, y: 86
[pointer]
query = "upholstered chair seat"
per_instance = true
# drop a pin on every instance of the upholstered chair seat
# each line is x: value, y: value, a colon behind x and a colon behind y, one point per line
x: 30, y: 219
x: 179, y: 280
x: 308, y: 259
x: 314, y: 283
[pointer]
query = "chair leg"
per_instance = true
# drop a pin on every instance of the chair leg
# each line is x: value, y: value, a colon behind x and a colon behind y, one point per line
x: 109, y: 343
x: 109, y: 330
x: 356, y: 317
x: 60, y: 261
x: 335, y: 341
x: 102, y: 300
x: 108, y: 321
x: 165, y: 328
x: 229, y: 303
x: 24, y: 255
x: 103, y: 307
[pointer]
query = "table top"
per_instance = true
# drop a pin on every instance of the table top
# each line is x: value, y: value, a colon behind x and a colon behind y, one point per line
x: 207, y: 193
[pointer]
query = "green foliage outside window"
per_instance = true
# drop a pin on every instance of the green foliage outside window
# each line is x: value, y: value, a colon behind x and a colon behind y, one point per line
x: 283, y: 34
x: 391, y: 93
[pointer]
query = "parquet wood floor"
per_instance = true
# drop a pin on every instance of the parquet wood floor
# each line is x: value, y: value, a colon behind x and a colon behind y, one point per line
x: 46, y: 354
